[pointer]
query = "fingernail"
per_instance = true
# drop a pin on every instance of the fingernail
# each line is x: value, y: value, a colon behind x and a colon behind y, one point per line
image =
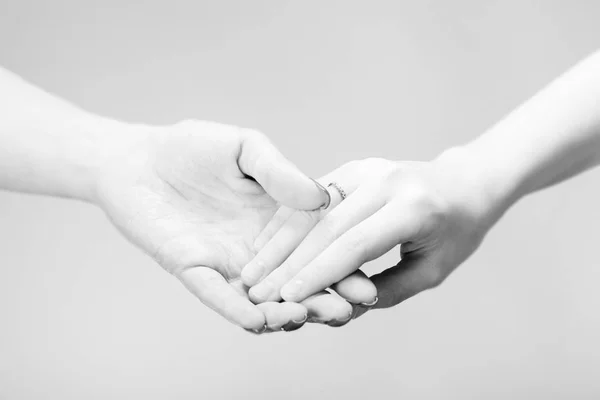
x: 294, y: 324
x: 262, y: 291
x: 303, y: 320
x: 340, y: 322
x: 291, y: 290
x: 326, y: 195
x: 259, y: 330
x: 371, y: 304
x: 360, y: 309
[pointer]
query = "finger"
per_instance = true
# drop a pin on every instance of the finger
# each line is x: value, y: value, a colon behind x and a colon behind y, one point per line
x: 327, y: 308
x: 283, y: 316
x: 215, y: 292
x: 274, y: 253
x: 350, y: 212
x: 287, y: 238
x: 408, y: 278
x: 284, y: 213
x: 368, y: 240
x: 281, y: 179
x: 357, y: 288
x: 276, y: 222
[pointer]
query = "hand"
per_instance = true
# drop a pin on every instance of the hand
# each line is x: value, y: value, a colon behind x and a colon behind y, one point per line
x: 286, y: 231
x: 194, y: 196
x: 438, y: 211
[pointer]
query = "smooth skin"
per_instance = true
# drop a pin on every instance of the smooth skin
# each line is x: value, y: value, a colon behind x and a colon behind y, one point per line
x: 194, y: 195
x: 438, y: 211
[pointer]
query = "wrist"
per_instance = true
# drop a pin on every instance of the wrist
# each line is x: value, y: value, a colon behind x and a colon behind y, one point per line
x: 487, y: 189
x: 109, y: 150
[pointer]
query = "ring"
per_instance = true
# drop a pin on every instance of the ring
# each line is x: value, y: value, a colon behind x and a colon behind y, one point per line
x: 339, y: 189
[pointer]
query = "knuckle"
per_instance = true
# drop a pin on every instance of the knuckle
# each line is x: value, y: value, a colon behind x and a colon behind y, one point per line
x: 352, y: 164
x: 428, y: 203
x: 395, y: 177
x: 376, y: 162
x: 369, y: 169
x: 377, y: 165
x: 419, y: 195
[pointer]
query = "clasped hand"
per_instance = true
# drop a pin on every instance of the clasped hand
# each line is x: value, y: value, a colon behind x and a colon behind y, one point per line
x: 242, y: 228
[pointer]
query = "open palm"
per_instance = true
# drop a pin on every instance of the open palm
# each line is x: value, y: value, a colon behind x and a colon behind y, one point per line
x: 195, y: 196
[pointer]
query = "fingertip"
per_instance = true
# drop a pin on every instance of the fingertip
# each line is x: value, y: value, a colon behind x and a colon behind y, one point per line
x: 259, y: 331
x: 246, y: 278
x: 253, y: 297
x: 250, y: 275
x: 213, y: 290
x: 328, y: 308
x: 284, y: 316
x: 278, y: 176
x: 300, y: 192
x: 357, y: 288
x: 262, y: 292
x: 251, y: 318
x: 292, y: 291
x: 295, y: 324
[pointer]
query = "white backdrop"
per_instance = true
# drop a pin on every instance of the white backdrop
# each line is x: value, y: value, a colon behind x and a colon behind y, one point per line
x: 84, y: 315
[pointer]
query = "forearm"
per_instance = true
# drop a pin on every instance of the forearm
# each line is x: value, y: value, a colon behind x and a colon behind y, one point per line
x: 49, y: 146
x: 553, y: 136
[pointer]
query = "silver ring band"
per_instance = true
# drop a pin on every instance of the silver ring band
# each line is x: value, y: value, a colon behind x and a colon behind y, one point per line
x: 339, y: 189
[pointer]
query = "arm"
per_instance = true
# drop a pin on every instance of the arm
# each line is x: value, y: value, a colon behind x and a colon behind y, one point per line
x: 552, y: 137
x: 49, y: 146
x: 440, y: 211
x: 181, y: 193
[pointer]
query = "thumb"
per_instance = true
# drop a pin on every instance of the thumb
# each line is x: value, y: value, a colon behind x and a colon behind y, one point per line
x: 281, y: 179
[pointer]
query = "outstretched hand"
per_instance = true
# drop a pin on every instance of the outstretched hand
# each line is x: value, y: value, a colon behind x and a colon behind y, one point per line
x: 195, y: 196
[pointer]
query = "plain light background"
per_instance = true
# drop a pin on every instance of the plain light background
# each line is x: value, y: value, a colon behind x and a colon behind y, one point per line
x: 84, y: 315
